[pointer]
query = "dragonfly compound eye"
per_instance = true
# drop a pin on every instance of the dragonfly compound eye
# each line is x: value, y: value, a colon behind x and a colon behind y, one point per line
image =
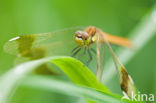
x: 80, y: 37
x: 82, y: 34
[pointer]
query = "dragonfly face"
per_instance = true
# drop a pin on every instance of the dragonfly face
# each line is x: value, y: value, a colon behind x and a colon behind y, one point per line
x: 86, y: 37
x: 82, y: 38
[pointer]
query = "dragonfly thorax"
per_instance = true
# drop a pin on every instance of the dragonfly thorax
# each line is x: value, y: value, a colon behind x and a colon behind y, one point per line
x: 82, y: 38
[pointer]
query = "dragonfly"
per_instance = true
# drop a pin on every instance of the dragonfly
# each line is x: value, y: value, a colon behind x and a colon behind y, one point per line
x: 37, y: 46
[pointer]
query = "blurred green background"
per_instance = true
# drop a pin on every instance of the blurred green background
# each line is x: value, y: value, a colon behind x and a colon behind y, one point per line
x: 117, y: 17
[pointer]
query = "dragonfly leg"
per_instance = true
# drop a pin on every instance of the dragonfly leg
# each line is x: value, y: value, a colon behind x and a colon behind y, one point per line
x: 93, y: 50
x: 74, y: 52
x: 90, y: 57
x: 84, y: 52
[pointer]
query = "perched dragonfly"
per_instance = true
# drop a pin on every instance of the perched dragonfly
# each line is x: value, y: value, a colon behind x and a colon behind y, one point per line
x: 38, y: 46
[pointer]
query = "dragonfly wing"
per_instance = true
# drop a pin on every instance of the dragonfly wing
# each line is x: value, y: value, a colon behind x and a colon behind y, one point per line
x: 36, y: 46
x: 100, y: 48
x: 43, y: 44
x: 126, y: 82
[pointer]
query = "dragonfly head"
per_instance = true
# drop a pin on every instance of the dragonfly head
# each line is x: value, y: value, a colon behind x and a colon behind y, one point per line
x: 81, y: 38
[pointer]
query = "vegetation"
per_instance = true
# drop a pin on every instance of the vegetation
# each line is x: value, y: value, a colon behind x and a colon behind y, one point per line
x: 75, y: 82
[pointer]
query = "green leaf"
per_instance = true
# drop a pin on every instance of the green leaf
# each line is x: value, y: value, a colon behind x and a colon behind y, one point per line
x: 79, y: 73
x: 52, y: 85
x: 73, y: 68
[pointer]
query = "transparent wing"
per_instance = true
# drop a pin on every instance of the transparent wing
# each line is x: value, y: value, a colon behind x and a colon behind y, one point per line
x: 126, y: 82
x: 100, y: 48
x: 37, y: 46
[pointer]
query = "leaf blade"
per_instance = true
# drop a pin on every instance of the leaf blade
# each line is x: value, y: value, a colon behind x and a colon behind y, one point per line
x: 81, y: 75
